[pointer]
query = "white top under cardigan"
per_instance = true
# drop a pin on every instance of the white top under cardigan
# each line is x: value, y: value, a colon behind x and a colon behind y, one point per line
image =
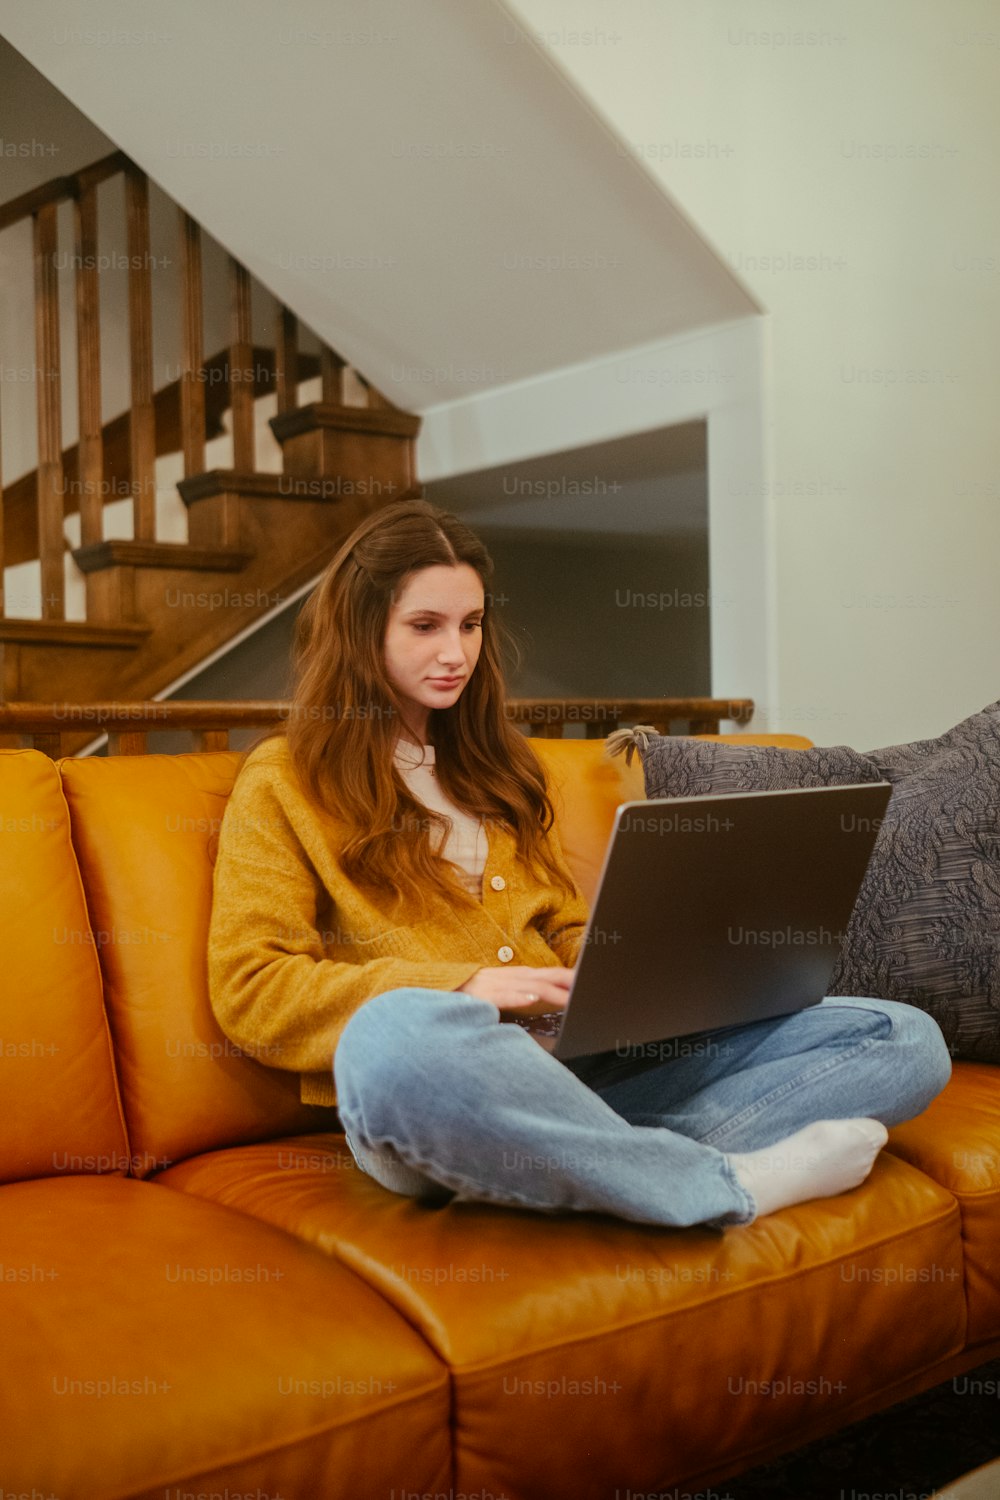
x: 466, y: 844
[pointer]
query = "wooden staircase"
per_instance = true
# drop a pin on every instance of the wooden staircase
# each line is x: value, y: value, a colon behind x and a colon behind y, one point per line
x: 156, y: 608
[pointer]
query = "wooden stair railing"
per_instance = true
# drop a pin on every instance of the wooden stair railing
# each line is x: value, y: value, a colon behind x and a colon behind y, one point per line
x: 49, y: 726
x: 20, y: 512
x: 254, y: 538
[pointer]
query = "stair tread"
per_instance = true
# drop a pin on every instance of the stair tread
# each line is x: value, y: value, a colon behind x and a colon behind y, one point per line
x: 385, y: 420
x: 74, y: 633
x: 132, y: 553
x: 216, y: 481
x: 281, y: 486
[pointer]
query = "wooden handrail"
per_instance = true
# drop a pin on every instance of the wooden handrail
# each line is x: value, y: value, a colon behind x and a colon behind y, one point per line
x: 99, y: 171
x: 128, y: 724
x: 61, y: 188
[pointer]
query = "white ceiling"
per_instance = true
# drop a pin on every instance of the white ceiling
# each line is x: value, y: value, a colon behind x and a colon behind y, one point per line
x: 419, y: 182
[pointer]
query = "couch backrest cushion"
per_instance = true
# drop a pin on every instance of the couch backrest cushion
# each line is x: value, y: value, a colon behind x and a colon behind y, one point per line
x: 145, y: 833
x: 588, y: 785
x: 60, y: 1100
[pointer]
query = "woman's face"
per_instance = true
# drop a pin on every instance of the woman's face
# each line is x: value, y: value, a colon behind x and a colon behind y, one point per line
x: 433, y: 639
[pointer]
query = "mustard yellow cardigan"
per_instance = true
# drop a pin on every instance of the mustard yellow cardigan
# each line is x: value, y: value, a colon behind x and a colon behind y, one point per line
x: 294, y: 948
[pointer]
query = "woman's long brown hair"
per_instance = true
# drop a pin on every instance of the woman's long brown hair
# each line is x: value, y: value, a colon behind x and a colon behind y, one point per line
x: 345, y: 716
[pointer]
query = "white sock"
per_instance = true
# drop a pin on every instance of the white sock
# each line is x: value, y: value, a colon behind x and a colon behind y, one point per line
x: 825, y: 1158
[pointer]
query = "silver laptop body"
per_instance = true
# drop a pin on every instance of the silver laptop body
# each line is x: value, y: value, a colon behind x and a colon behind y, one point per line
x: 717, y: 911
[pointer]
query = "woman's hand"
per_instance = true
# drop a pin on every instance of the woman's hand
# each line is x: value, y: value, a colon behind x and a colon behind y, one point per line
x: 509, y: 988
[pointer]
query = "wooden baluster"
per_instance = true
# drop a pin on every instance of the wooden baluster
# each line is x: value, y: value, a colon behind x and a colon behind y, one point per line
x: 286, y: 361
x: 2, y: 554
x: 48, y: 744
x: 192, y: 350
x: 50, y: 485
x: 211, y: 739
x: 90, y: 452
x: 241, y: 384
x: 331, y: 369
x: 1, y: 539
x: 127, y: 741
x: 142, y: 431
x: 376, y: 400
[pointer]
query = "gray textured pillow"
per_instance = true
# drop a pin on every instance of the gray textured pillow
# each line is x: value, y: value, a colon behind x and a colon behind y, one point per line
x: 926, y: 926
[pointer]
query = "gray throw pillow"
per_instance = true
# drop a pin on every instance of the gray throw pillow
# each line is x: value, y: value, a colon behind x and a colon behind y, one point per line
x: 926, y: 925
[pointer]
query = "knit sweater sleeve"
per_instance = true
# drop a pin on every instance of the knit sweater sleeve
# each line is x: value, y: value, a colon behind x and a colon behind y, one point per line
x: 272, y: 989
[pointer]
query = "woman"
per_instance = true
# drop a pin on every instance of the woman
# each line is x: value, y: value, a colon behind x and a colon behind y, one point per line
x: 390, y: 890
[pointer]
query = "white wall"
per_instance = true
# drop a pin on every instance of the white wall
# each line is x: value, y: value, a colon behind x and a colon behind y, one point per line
x: 864, y: 140
x: 719, y: 375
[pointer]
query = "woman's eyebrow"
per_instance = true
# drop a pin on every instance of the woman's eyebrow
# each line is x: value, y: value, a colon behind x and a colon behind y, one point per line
x: 478, y: 609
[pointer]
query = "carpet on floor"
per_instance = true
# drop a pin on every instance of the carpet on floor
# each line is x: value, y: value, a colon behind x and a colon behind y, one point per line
x: 905, y: 1453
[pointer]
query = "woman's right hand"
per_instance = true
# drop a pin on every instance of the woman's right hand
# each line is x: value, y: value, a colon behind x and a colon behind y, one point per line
x: 509, y: 987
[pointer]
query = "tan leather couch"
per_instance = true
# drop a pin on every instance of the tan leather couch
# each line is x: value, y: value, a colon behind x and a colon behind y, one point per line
x: 201, y: 1294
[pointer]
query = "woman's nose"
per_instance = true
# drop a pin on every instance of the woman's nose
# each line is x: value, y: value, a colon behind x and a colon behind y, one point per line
x: 451, y: 651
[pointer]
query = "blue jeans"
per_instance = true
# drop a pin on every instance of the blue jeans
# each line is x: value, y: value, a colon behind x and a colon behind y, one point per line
x: 441, y: 1101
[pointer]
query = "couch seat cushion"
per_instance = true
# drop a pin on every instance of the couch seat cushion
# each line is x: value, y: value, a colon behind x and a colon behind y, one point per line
x: 957, y: 1142
x: 152, y: 1340
x: 623, y: 1354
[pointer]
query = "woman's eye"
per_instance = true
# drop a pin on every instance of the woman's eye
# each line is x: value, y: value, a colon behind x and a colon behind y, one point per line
x: 424, y: 625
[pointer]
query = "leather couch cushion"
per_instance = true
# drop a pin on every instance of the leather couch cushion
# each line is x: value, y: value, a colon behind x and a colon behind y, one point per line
x: 57, y: 1082
x: 957, y: 1142
x: 155, y: 1340
x: 586, y: 788
x: 588, y: 785
x: 685, y: 1350
x: 144, y: 828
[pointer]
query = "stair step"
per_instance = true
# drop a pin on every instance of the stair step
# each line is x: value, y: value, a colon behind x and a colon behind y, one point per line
x: 385, y: 421
x: 74, y: 633
x: 282, y: 487
x: 228, y: 481
x: 128, y: 553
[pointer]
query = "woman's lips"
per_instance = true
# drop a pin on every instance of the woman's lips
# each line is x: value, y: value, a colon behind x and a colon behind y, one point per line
x: 445, y: 682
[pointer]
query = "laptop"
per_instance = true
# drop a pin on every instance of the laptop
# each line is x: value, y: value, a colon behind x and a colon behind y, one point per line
x: 714, y: 912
